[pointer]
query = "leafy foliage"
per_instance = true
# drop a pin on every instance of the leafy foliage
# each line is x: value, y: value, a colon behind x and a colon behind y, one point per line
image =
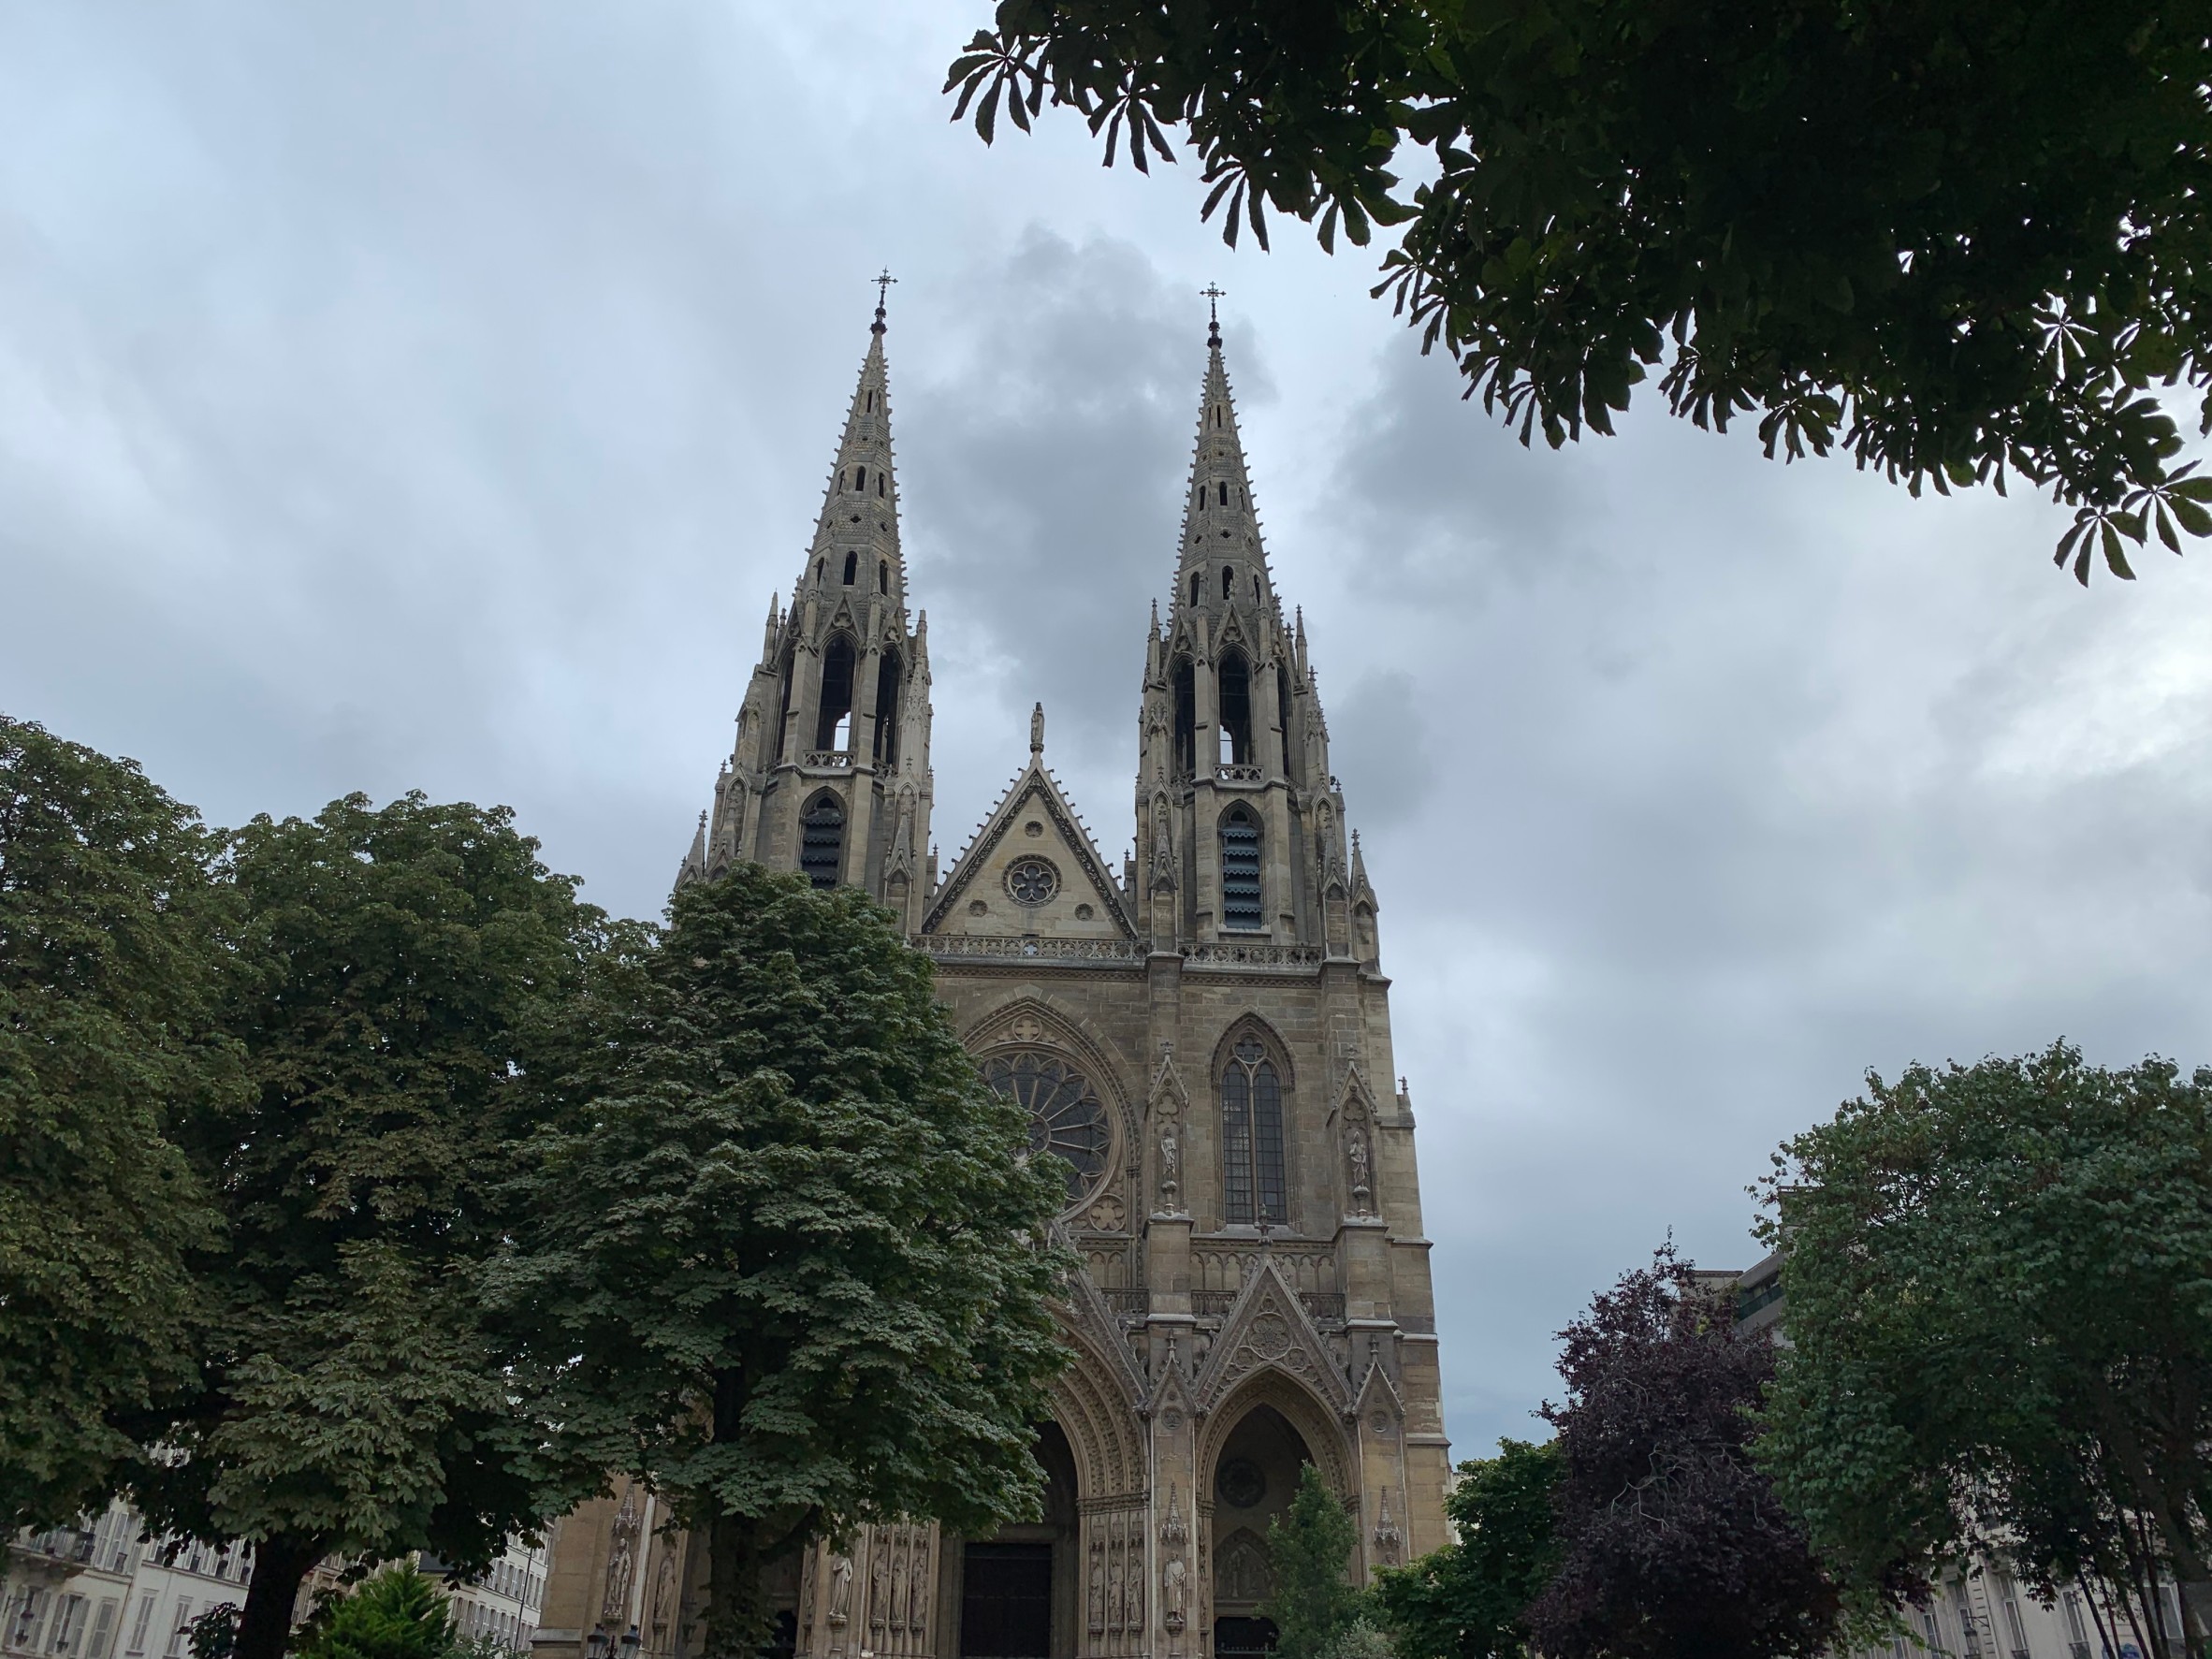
x: 782, y: 1246
x: 1671, y: 1540
x: 1314, y: 1605
x: 213, y: 1634
x: 2001, y: 1323
x: 399, y: 1614
x: 1959, y: 239
x: 1470, y: 1599
x: 107, y: 978
x: 394, y: 971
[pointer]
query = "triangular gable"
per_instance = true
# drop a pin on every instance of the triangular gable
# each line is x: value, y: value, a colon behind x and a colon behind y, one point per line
x: 1034, y: 797
x: 1378, y: 1394
x: 1268, y: 1326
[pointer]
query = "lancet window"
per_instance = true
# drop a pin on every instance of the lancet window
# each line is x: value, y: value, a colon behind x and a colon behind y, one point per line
x: 1252, y: 1185
x: 851, y: 567
x: 886, y: 738
x: 1236, y: 708
x: 1240, y: 872
x: 833, y: 728
x: 822, y: 840
x: 1186, y: 682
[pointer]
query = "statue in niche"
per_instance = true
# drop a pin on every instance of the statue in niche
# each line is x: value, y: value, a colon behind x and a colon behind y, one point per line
x: 840, y: 1589
x: 878, y: 1588
x: 1097, y: 1587
x: 917, y: 1592
x: 898, y: 1585
x: 621, y: 1561
x: 1175, y: 1572
x: 1355, y: 1142
x: 1170, y: 1166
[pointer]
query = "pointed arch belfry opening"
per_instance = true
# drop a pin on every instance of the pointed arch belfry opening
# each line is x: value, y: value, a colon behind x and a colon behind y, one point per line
x: 1236, y: 708
x: 833, y: 726
x: 1184, y: 688
x: 885, y: 742
x: 822, y: 840
x: 1243, y: 908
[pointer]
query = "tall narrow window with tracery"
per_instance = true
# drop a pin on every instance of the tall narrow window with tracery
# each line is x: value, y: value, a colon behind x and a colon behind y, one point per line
x: 1240, y: 872
x: 822, y: 840
x: 1252, y: 1185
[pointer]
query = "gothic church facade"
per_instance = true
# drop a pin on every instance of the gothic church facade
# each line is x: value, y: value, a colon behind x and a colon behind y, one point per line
x: 1204, y: 1035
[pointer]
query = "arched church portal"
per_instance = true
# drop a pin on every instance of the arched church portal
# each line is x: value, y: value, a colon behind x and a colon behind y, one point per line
x: 1018, y: 1587
x: 1255, y: 1475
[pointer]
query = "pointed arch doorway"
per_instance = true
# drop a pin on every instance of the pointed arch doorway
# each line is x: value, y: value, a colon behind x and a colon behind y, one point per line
x: 1017, y: 1587
x: 1254, y: 1478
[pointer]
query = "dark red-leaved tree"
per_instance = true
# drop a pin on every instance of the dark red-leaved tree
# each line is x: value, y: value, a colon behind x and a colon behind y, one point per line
x: 1671, y: 1542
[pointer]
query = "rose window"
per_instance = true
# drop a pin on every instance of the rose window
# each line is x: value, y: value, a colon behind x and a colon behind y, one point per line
x: 1032, y: 881
x: 1065, y: 1118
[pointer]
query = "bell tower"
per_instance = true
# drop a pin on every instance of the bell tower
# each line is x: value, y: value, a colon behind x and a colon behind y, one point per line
x: 1240, y: 825
x: 830, y: 772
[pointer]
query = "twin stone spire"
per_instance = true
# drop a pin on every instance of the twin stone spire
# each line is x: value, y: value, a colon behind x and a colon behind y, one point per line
x: 1240, y: 840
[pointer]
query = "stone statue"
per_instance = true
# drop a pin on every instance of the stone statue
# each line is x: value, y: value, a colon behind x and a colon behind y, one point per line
x: 1037, y: 730
x: 1171, y: 1164
x: 621, y: 1561
x: 840, y: 1599
x: 1175, y: 1572
x: 1355, y: 1142
x: 917, y: 1593
x: 899, y: 1587
x: 1097, y: 1587
x: 878, y: 1588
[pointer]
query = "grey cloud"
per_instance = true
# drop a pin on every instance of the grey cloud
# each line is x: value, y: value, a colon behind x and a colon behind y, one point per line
x: 407, y: 399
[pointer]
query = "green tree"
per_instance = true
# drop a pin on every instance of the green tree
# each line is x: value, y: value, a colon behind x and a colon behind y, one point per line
x: 1961, y: 238
x: 107, y: 978
x: 1469, y: 1599
x: 394, y: 971
x: 1313, y: 1603
x: 783, y: 1244
x: 2001, y: 1326
x: 399, y: 1614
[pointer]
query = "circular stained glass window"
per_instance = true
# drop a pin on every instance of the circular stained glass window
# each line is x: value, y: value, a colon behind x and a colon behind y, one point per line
x: 1065, y: 1118
x: 1032, y: 881
x: 1240, y: 1483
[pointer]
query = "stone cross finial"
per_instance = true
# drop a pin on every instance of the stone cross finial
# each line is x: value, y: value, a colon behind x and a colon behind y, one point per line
x: 883, y: 281
x: 1212, y: 292
x: 1037, y: 730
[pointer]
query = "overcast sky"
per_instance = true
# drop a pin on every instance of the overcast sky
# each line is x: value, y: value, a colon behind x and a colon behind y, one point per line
x: 433, y: 395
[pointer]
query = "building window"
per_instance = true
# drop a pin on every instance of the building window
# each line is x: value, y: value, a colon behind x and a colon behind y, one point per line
x: 1252, y: 1187
x: 1240, y: 872
x: 179, y: 1630
x: 851, y: 567
x: 882, y: 575
x: 139, y: 1629
x: 1186, y: 692
x: 821, y: 841
x: 22, y: 1617
x: 1236, y: 708
x: 885, y: 742
x: 833, y: 728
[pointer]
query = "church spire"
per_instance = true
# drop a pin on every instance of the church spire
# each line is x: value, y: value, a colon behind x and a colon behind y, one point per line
x: 855, y: 551
x: 1222, y: 558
